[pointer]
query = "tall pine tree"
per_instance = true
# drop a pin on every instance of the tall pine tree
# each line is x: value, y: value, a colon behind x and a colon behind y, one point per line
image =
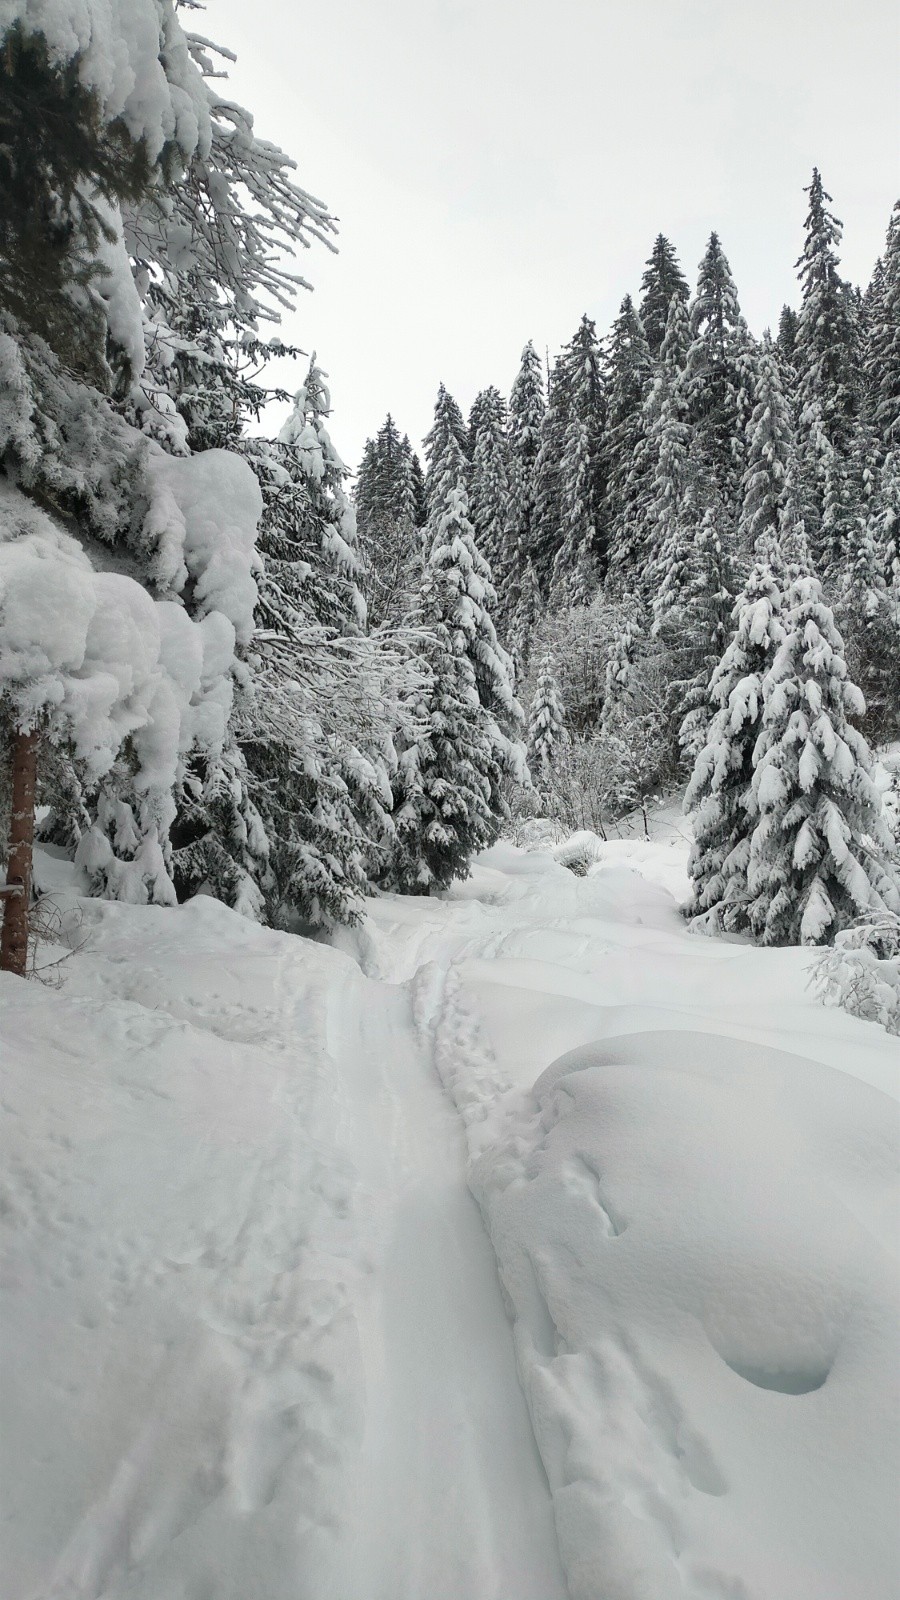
x: 720, y: 794
x: 818, y: 855
x: 662, y: 279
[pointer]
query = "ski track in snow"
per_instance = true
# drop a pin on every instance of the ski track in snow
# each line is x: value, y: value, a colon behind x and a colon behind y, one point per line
x: 261, y: 1346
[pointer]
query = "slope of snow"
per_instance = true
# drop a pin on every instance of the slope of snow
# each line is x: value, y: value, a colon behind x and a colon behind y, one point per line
x: 255, y: 1342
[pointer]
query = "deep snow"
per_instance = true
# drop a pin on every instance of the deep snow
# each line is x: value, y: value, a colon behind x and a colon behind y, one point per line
x: 255, y: 1339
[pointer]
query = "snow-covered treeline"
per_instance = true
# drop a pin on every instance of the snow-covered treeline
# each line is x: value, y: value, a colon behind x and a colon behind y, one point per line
x: 183, y: 618
x: 693, y: 539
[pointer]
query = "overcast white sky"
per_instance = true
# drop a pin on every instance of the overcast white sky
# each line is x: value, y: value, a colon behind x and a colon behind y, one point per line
x: 501, y: 167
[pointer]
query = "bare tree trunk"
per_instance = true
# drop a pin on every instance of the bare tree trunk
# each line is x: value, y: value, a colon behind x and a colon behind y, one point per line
x: 14, y: 938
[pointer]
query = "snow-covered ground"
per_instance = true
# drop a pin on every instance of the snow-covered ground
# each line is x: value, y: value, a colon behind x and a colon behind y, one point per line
x: 256, y: 1345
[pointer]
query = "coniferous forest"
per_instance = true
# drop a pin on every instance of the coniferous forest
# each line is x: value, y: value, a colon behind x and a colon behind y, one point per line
x: 670, y: 558
x: 691, y: 536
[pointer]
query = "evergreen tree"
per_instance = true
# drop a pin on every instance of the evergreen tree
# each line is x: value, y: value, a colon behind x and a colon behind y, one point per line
x: 629, y: 374
x: 717, y: 381
x: 866, y: 601
x: 418, y: 483
x: 818, y: 854
x: 303, y: 800
x: 621, y: 666
x: 768, y: 449
x: 489, y: 495
x: 446, y: 776
x: 786, y: 343
x: 450, y: 801
x: 695, y: 626
x: 580, y: 548
x: 574, y: 578
x: 720, y: 792
x: 662, y: 279
x: 585, y: 397
x: 527, y: 406
x: 526, y: 606
x: 826, y: 351
x: 135, y: 433
x: 446, y: 447
x: 482, y: 407
x: 546, y: 532
x: 668, y: 438
x: 794, y: 516
x: 882, y: 343
x: 459, y: 573
x: 331, y: 547
x: 651, y: 482
x: 547, y: 733
x: 460, y: 579
x: 386, y: 499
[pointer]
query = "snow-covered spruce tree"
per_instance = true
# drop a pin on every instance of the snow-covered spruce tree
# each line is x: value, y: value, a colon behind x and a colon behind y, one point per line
x: 866, y: 596
x: 886, y: 518
x: 652, y: 482
x: 629, y: 371
x: 84, y: 429
x: 819, y: 851
x: 489, y: 493
x: 662, y: 279
x: 329, y: 542
x: 480, y: 409
x: 545, y: 529
x: 786, y: 343
x: 769, y: 439
x: 628, y: 641
x: 527, y: 606
x: 450, y: 800
x: 827, y: 355
x: 585, y: 397
x: 882, y: 343
x: 720, y: 792
x: 446, y: 775
x: 446, y: 443
x: 696, y: 628
x: 634, y: 745
x: 547, y: 733
x: 461, y: 580
x: 693, y: 598
x: 795, y: 515
x: 316, y: 734
x: 718, y: 377
x: 574, y: 578
x: 527, y: 405
x: 387, y: 512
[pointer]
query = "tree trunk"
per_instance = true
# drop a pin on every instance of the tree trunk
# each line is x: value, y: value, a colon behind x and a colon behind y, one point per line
x: 14, y: 938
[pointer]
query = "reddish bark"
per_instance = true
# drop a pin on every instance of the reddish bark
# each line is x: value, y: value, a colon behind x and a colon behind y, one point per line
x: 14, y: 937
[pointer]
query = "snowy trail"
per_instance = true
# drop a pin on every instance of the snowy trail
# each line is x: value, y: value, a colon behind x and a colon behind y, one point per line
x: 255, y: 1338
x: 452, y: 1500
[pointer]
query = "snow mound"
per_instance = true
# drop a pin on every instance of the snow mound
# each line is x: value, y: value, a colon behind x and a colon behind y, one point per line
x: 579, y: 852
x: 692, y: 1232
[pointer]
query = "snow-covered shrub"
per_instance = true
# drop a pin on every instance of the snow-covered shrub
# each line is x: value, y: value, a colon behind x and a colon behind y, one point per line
x: 579, y: 852
x: 862, y: 972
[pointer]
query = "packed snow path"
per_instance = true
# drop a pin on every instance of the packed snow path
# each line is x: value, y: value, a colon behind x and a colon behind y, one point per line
x: 255, y: 1340
x: 451, y: 1500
